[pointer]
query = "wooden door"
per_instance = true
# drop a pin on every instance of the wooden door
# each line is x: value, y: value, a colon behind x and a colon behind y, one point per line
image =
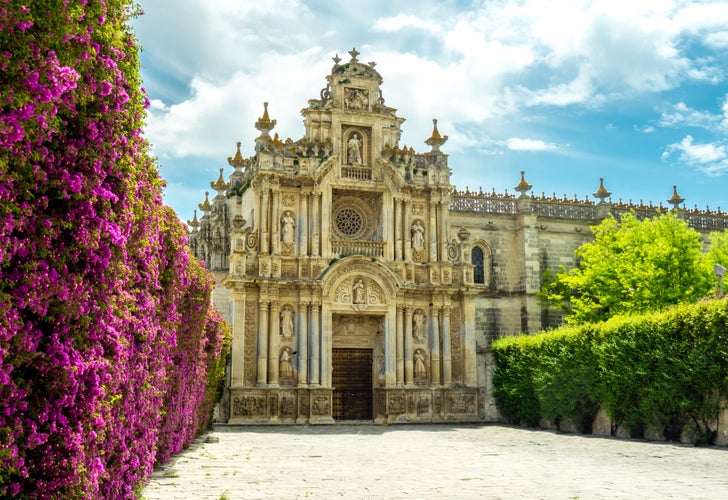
x: 352, y: 381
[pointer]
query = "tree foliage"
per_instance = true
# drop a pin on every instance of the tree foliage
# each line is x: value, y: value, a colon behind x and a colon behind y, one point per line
x: 631, y: 266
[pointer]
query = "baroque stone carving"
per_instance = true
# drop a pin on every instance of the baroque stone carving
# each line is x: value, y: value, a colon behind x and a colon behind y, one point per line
x: 249, y: 370
x: 396, y: 403
x: 461, y: 403
x: 356, y: 99
x: 423, y: 406
x: 288, y: 404
x: 418, y: 235
x: 249, y: 406
x: 321, y: 405
x: 418, y: 326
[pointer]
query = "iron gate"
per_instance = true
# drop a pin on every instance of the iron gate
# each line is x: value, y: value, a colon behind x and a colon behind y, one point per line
x: 352, y: 381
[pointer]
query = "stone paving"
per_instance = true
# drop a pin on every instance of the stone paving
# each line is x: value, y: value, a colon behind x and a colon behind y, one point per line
x: 434, y: 461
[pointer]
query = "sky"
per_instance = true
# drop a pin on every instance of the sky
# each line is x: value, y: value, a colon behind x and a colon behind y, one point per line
x: 632, y: 91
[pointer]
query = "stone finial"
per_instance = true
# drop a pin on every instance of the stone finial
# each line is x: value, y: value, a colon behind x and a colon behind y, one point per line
x: 264, y: 123
x: 336, y: 59
x: 194, y: 223
x: 354, y: 54
x: 523, y: 186
x: 676, y: 198
x: 602, y: 194
x: 436, y: 140
x: 220, y: 185
x: 205, y: 206
x: 237, y: 160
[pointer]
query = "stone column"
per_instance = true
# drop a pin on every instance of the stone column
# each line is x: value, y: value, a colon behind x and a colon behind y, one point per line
x: 326, y: 345
x: 314, y: 369
x: 406, y: 231
x: 434, y: 346
x: 276, y: 226
x: 400, y: 345
x: 237, y: 354
x: 303, y: 344
x: 390, y: 343
x: 273, y: 338
x: 315, y: 225
x: 264, y: 222
x: 397, y: 229
x: 446, y: 347
x: 262, y: 343
x: 433, y: 232
x: 303, y: 225
x: 409, y: 372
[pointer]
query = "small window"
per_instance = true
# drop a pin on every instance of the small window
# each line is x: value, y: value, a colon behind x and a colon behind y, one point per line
x: 479, y: 269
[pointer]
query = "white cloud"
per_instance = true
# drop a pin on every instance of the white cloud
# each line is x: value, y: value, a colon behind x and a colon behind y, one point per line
x: 404, y: 21
x: 681, y: 115
x: 711, y: 159
x: 519, y: 144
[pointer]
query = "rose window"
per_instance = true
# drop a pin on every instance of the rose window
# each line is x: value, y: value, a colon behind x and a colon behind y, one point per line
x: 349, y: 222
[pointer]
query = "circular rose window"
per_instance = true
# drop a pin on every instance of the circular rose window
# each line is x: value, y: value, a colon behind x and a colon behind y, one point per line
x: 349, y: 222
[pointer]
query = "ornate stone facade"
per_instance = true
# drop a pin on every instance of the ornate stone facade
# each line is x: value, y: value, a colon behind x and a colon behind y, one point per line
x: 359, y: 283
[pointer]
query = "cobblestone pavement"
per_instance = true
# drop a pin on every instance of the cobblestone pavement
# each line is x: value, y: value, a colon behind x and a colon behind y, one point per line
x: 434, y: 461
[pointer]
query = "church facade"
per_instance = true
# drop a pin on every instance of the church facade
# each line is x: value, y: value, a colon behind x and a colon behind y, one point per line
x: 359, y: 283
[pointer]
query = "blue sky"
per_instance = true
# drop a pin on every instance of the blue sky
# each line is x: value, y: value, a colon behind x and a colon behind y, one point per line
x: 569, y: 91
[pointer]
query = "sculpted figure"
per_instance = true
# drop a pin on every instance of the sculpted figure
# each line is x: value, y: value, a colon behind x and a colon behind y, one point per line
x: 418, y: 329
x: 418, y: 236
x: 288, y: 230
x: 354, y: 150
x: 420, y: 369
x: 284, y: 367
x: 287, y: 322
x: 358, y: 290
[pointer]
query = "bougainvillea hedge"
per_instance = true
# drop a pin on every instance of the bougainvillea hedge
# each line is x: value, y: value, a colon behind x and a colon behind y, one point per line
x: 109, y: 350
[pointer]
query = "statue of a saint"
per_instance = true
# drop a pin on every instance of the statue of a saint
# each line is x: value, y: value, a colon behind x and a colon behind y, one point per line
x: 418, y: 236
x: 354, y: 150
x: 358, y: 290
x: 419, y: 325
x: 288, y: 230
x: 287, y: 322
x: 420, y: 369
x: 284, y: 367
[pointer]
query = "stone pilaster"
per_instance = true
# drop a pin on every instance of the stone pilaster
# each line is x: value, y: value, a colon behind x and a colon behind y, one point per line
x: 314, y: 370
x: 273, y: 341
x: 303, y: 344
x: 262, y: 343
x: 409, y: 376
x: 400, y: 345
x: 434, y: 346
x: 446, y: 348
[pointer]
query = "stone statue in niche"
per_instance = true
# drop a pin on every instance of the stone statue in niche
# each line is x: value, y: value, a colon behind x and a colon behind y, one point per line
x: 359, y: 292
x: 420, y: 368
x: 284, y: 367
x: 354, y: 149
x: 418, y: 325
x: 287, y: 322
x: 288, y: 228
x: 418, y: 236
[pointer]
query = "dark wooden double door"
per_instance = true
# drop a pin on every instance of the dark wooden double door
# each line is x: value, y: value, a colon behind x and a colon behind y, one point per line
x: 352, y: 381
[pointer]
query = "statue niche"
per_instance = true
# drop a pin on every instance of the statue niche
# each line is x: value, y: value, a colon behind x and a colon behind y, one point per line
x: 355, y: 145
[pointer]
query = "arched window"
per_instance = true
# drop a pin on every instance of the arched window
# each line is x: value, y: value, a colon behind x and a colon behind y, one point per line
x: 476, y: 257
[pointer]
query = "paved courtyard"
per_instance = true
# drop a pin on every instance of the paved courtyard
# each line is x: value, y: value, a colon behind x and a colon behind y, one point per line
x: 434, y: 461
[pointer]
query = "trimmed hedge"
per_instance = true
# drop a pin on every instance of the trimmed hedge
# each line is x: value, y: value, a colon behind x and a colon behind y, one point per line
x: 667, y: 371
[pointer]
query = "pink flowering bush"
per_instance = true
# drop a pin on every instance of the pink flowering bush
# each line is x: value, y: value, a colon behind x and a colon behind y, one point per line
x: 108, y: 350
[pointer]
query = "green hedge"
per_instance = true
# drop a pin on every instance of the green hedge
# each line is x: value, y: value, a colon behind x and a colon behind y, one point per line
x: 667, y: 371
